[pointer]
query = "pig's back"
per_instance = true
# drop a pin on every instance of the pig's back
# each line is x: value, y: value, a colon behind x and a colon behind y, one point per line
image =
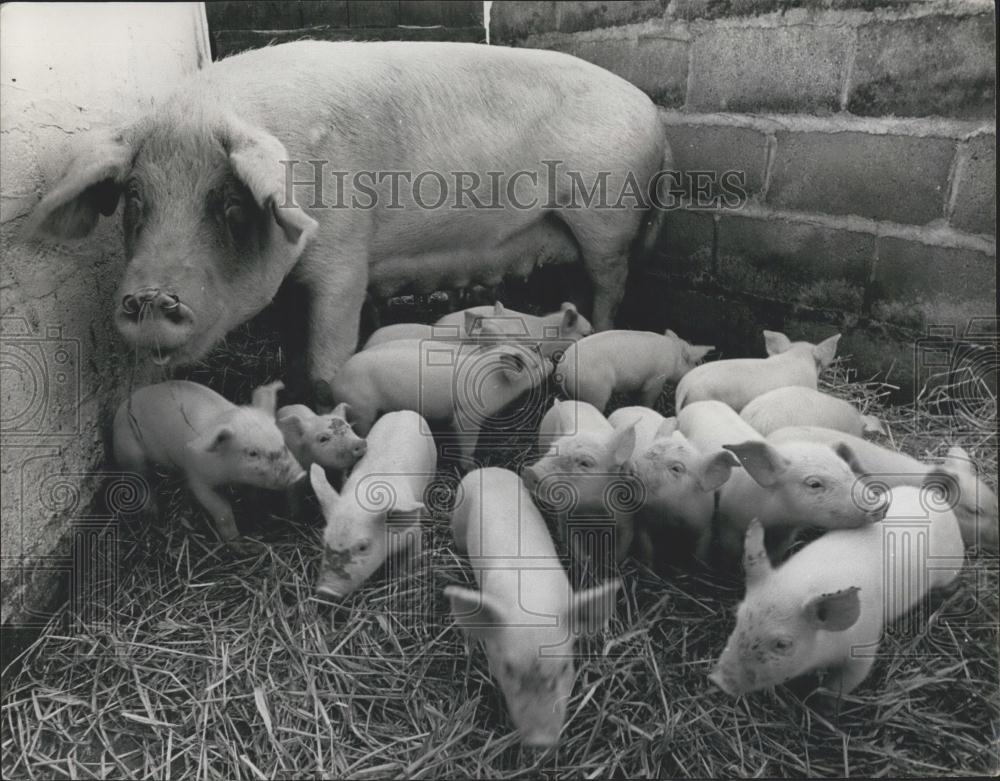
x: 712, y: 424
x: 647, y: 423
x: 633, y: 355
x: 164, y: 417
x: 892, y: 467
x: 401, y: 447
x: 737, y: 381
x: 796, y: 405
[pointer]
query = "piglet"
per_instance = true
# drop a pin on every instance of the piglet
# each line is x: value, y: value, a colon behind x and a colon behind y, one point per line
x: 378, y: 512
x: 397, y: 331
x: 975, y: 503
x: 187, y: 427
x: 327, y: 440
x: 679, y: 482
x: 460, y: 384
x: 525, y: 612
x: 827, y: 606
x: 786, y: 486
x: 553, y: 332
x: 649, y: 424
x: 625, y: 362
x: 737, y: 381
x: 796, y: 405
x: 582, y: 470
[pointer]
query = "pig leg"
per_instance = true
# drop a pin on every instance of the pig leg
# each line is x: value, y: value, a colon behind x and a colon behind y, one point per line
x: 218, y: 508
x: 846, y: 678
x: 338, y: 292
x: 607, y: 273
x: 652, y: 391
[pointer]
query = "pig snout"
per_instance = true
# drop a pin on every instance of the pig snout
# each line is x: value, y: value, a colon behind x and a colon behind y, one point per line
x: 719, y: 679
x: 540, y: 738
x: 359, y: 448
x: 326, y: 593
x: 150, y: 317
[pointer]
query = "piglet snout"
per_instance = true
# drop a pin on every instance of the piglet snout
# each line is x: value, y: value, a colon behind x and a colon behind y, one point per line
x: 359, y: 449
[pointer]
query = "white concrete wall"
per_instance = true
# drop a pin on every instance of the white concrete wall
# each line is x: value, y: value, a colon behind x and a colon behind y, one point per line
x: 65, y: 68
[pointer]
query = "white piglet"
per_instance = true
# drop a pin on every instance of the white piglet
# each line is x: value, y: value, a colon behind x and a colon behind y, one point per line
x: 327, y: 440
x: 796, y: 405
x: 582, y: 470
x: 186, y: 427
x: 975, y: 503
x: 378, y: 512
x: 786, y: 486
x: 825, y: 608
x: 525, y: 612
x: 649, y: 424
x: 626, y: 362
x: 737, y: 381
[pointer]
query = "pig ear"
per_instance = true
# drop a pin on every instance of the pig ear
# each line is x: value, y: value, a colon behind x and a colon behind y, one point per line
x: 667, y: 428
x: 871, y: 425
x: 756, y: 564
x: 511, y: 363
x: 570, y: 315
x: 715, y: 469
x: 478, y: 614
x: 91, y: 185
x: 406, y: 503
x: 671, y: 334
x: 325, y: 492
x: 590, y: 610
x: 846, y: 453
x: 290, y: 424
x: 565, y: 306
x: 762, y: 462
x: 342, y: 410
x: 213, y: 441
x: 497, y: 309
x: 623, y: 443
x: 959, y: 460
x: 776, y: 342
x: 834, y: 612
x: 696, y: 352
x: 266, y: 396
x: 826, y: 351
x: 256, y: 157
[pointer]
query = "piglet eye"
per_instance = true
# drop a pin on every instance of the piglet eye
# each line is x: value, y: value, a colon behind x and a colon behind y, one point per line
x: 677, y: 469
x: 363, y: 546
x: 253, y: 453
x: 781, y: 644
x: 813, y: 483
x: 323, y: 438
x: 586, y: 463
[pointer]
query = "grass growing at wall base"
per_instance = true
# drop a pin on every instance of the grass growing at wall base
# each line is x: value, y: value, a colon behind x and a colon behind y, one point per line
x: 204, y: 663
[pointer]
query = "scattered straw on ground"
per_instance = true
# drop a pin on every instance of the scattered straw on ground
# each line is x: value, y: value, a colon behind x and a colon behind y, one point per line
x: 203, y: 663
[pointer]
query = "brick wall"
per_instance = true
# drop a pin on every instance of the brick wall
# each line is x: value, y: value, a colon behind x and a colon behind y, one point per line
x: 237, y: 25
x: 866, y: 131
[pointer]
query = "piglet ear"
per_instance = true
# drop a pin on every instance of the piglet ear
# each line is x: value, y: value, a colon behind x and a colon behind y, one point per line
x: 91, y: 185
x: 342, y: 410
x: 478, y: 614
x: 846, y: 453
x: 762, y: 462
x: 623, y: 443
x: 960, y: 461
x: 667, y: 428
x: 257, y: 159
x: 776, y: 342
x: 570, y: 315
x: 213, y: 441
x: 671, y: 334
x: 826, y: 351
x: 289, y: 423
x: 834, y: 612
x: 497, y: 309
x: 266, y: 396
x: 696, y: 352
x: 590, y: 610
x: 325, y: 492
x: 715, y: 469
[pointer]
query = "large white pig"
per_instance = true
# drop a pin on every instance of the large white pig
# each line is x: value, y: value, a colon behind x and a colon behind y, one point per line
x: 737, y: 381
x: 377, y: 514
x: 525, y: 612
x: 786, y: 486
x: 826, y: 607
x: 221, y: 201
x: 975, y: 503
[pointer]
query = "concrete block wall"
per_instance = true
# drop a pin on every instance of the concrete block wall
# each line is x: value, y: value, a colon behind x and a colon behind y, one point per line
x: 866, y: 133
x: 63, y: 367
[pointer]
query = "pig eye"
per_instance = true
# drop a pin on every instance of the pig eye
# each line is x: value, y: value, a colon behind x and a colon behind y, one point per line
x: 585, y: 463
x: 363, y: 547
x: 508, y: 669
x: 814, y: 483
x: 323, y: 438
x: 677, y: 469
x: 780, y: 644
x: 253, y: 453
